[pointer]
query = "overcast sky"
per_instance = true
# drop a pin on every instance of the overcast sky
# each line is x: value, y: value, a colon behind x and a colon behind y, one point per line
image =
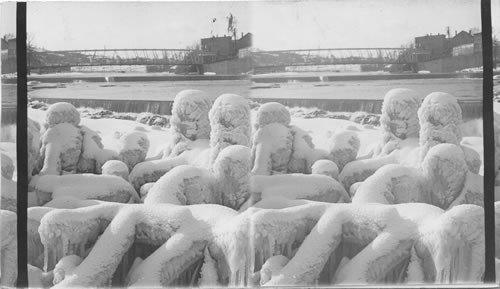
x: 275, y: 24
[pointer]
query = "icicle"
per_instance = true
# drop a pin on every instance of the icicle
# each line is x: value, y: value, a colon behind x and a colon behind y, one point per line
x: 45, y: 259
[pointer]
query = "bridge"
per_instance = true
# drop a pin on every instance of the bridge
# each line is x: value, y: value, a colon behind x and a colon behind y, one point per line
x: 336, y: 56
x: 262, y: 59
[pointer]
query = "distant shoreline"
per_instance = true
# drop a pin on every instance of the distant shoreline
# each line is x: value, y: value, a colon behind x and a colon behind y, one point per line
x: 268, y: 78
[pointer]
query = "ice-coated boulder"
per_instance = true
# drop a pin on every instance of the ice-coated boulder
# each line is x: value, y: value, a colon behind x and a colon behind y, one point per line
x: 232, y: 172
x: 84, y: 186
x: 393, y: 184
x: 445, y: 170
x: 343, y: 148
x: 230, y: 122
x: 93, y: 155
x: 190, y: 114
x: 272, y: 267
x: 34, y: 145
x: 399, y: 117
x: 62, y: 112
x: 325, y: 167
x: 271, y: 149
x: 7, y: 166
x: 61, y: 149
x: 115, y: 168
x: 272, y: 112
x: 440, y: 117
x: 133, y: 148
x: 184, y: 185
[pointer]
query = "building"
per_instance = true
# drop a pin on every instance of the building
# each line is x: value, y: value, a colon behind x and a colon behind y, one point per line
x: 461, y: 38
x: 478, y: 42
x: 219, y: 47
x: 435, y: 45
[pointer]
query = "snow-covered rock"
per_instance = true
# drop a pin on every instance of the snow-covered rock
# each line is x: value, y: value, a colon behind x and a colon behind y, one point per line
x: 84, y: 186
x: 343, y: 148
x: 190, y: 114
x: 61, y: 149
x: 440, y: 117
x: 399, y: 114
x: 271, y: 112
x: 8, y: 248
x: 62, y: 112
x: 445, y: 169
x: 325, y: 167
x: 115, y: 168
x: 230, y: 123
x: 271, y: 149
x: 133, y: 148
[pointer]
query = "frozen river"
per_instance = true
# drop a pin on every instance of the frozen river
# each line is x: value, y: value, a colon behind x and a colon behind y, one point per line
x: 166, y: 91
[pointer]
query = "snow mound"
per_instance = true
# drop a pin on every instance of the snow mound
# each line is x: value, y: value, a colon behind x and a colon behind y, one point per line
x: 115, y: 168
x: 84, y: 186
x: 399, y: 117
x: 190, y: 114
x: 133, y: 148
x: 272, y: 112
x: 445, y: 169
x: 62, y: 112
x: 344, y: 147
x: 61, y: 149
x: 230, y: 122
x: 325, y: 167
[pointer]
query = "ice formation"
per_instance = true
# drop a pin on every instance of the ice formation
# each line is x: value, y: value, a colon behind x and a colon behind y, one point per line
x: 8, y: 248
x: 230, y: 123
x: 278, y: 147
x: 399, y: 118
x: 295, y: 225
x: 7, y: 166
x: 190, y: 114
x: 443, y: 181
x: 376, y: 239
x: 228, y: 183
x: 61, y: 149
x: 8, y: 199
x: 272, y: 112
x: 33, y: 147
x: 343, y: 148
x: 84, y: 186
x: 440, y: 117
x: 189, y: 121
x: 133, y: 148
x: 93, y: 155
